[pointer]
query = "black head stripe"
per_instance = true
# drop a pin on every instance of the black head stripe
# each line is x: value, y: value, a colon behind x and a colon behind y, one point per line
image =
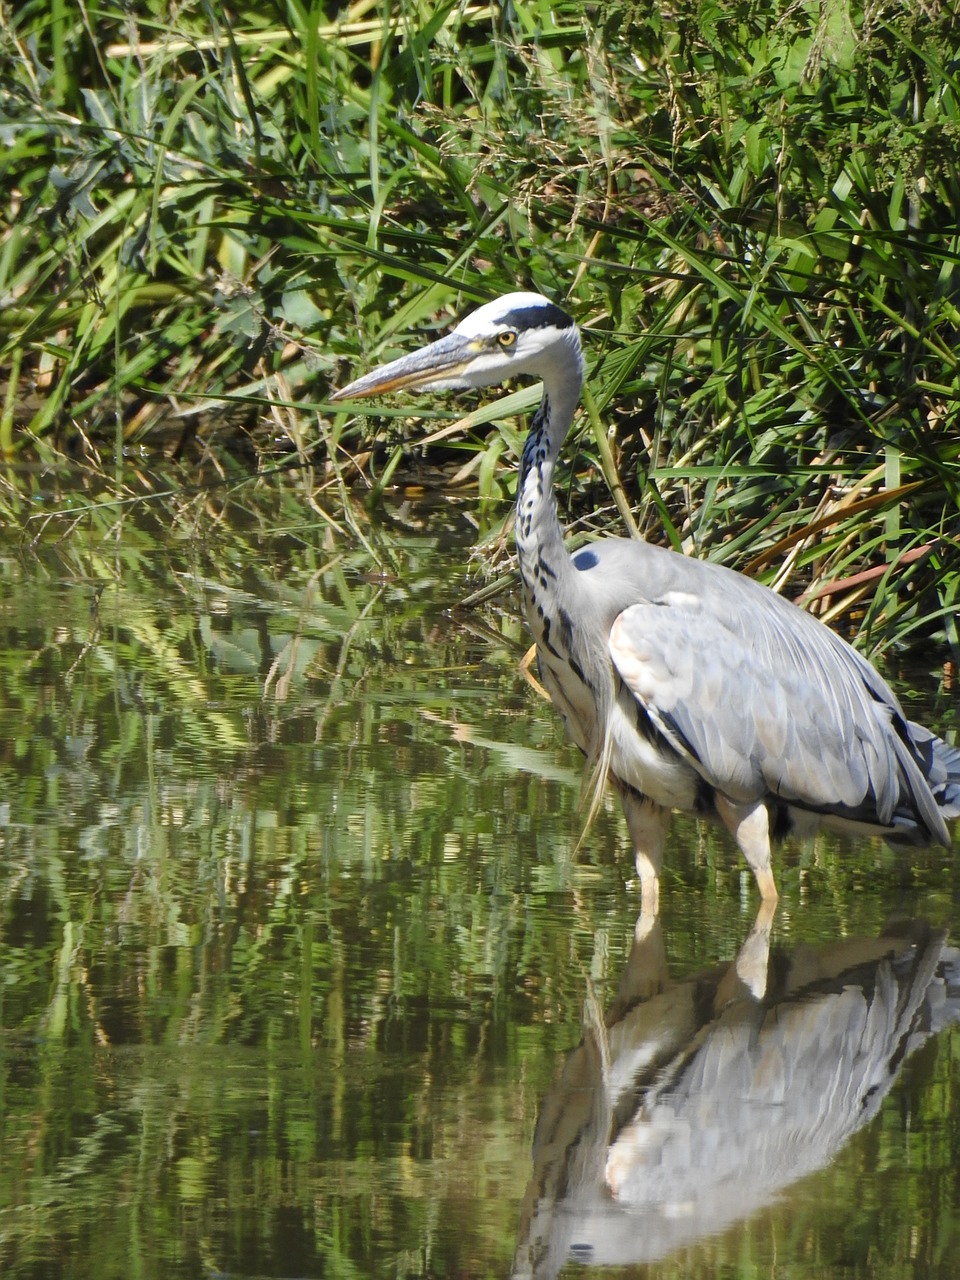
x: 541, y: 317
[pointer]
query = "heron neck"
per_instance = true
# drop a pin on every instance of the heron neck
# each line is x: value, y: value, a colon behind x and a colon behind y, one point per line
x: 538, y: 533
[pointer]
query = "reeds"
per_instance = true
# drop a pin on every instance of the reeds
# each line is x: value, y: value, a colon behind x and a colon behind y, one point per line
x: 752, y: 210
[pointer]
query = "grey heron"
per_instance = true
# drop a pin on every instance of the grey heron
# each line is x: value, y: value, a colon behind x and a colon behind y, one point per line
x: 689, y: 686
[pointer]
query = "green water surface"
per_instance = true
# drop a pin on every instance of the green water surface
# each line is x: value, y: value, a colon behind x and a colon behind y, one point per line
x: 297, y: 941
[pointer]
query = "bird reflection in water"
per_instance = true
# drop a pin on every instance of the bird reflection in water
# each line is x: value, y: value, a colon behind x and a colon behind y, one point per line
x: 692, y: 1104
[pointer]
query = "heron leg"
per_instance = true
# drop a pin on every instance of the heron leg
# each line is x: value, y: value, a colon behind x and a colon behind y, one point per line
x: 647, y: 823
x: 750, y: 825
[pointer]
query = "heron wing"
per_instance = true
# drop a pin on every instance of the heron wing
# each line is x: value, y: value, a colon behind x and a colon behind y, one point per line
x: 762, y: 698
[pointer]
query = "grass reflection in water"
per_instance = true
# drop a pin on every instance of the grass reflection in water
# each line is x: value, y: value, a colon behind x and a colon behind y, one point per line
x: 292, y: 945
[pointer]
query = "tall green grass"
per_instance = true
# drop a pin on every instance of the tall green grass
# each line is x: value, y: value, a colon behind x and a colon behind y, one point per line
x: 753, y: 210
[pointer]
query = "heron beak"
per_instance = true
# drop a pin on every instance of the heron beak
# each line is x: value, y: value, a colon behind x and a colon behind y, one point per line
x: 438, y: 364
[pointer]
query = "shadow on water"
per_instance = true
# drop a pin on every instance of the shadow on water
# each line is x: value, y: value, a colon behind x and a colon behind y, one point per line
x: 695, y: 1103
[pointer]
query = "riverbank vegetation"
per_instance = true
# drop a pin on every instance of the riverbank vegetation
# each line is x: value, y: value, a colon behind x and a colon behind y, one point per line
x: 209, y: 217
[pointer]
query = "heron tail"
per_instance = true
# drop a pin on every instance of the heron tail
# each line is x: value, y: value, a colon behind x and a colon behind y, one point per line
x: 931, y: 768
x: 945, y: 777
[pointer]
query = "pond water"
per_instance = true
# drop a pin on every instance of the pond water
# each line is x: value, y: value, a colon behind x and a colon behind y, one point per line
x: 298, y: 938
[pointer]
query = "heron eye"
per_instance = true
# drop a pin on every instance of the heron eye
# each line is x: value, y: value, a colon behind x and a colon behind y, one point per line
x: 507, y: 338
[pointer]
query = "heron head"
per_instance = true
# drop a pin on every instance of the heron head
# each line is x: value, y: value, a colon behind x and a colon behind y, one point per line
x: 520, y: 333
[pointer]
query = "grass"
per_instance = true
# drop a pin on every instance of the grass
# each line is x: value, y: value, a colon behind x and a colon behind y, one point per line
x: 752, y: 210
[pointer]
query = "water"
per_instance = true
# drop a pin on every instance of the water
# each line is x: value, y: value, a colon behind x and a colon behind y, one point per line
x: 296, y: 944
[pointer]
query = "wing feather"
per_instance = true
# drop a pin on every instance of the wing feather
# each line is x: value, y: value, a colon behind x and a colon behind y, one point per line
x: 758, y: 696
x: 762, y: 705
